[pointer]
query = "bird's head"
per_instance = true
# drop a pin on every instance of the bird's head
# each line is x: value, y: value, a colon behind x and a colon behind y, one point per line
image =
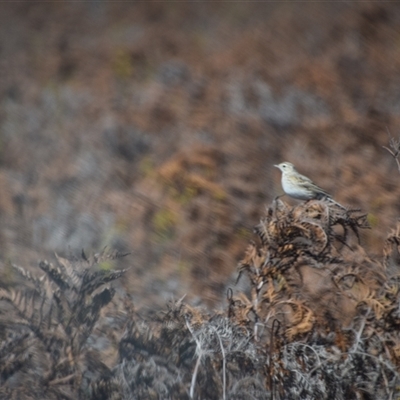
x: 286, y: 167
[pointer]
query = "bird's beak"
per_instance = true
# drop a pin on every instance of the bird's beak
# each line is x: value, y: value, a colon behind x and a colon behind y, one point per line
x: 277, y: 166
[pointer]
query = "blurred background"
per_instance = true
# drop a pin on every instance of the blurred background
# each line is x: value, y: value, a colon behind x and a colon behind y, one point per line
x: 152, y: 128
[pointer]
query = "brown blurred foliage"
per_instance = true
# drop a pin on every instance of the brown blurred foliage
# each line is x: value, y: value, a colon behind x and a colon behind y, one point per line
x: 153, y: 128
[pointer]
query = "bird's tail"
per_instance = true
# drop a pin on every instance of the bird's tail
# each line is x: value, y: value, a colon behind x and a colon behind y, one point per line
x: 330, y: 200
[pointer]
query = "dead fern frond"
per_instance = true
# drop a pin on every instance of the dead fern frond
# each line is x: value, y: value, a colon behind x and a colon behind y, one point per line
x: 23, y: 302
x: 92, y: 281
x: 56, y: 274
x: 391, y: 252
x: 73, y: 275
x: 55, y: 318
x: 378, y: 307
x: 301, y: 320
x: 394, y: 149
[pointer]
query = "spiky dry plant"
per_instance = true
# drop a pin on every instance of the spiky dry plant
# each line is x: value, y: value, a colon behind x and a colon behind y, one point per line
x: 320, y: 320
x: 394, y: 149
x: 298, y: 271
x: 185, y: 353
x: 325, y: 313
x: 45, y: 327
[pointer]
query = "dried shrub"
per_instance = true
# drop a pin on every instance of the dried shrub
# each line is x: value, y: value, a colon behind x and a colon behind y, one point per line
x: 322, y: 309
x: 320, y: 320
x: 46, y: 325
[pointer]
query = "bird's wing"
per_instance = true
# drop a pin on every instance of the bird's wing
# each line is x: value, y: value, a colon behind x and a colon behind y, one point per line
x: 304, y: 178
x: 308, y: 183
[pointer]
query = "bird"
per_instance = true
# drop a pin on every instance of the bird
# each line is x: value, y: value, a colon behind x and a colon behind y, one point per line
x: 299, y: 186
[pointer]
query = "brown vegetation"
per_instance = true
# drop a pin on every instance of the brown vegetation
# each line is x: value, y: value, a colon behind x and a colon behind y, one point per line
x: 320, y: 320
x: 152, y: 128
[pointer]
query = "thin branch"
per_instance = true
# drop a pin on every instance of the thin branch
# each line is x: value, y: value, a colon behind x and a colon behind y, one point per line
x: 394, y: 149
x: 62, y: 381
x: 223, y: 366
x: 196, y: 368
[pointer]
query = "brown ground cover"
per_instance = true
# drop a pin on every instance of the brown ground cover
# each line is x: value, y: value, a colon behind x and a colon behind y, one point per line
x: 153, y: 128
